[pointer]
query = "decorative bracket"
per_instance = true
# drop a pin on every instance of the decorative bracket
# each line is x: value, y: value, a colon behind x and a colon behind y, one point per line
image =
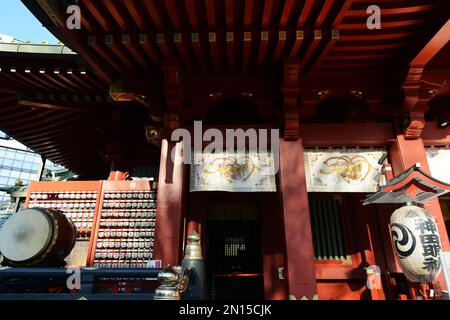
x: 415, y: 104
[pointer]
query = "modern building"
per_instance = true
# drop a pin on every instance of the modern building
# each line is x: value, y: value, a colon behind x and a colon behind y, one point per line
x: 18, y: 163
x: 19, y: 166
x: 342, y: 98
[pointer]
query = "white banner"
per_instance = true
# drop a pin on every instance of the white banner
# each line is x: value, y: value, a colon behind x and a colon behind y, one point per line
x: 233, y: 172
x: 439, y: 163
x: 343, y: 170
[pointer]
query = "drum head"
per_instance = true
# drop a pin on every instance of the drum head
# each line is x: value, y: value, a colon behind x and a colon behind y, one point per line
x: 26, y: 235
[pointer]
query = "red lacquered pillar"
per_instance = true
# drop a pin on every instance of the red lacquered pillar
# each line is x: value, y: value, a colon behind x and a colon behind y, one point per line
x: 169, y: 214
x: 299, y: 245
x: 404, y: 154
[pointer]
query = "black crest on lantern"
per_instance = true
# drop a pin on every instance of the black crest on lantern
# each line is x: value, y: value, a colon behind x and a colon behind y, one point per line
x: 407, y: 239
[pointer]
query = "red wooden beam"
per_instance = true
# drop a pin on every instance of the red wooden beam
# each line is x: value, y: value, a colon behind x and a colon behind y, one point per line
x: 441, y: 38
x: 61, y: 152
x: 58, y: 84
x: 332, y: 67
x: 147, y: 42
x: 152, y: 10
x: 42, y: 132
x: 230, y: 51
x: 286, y: 13
x: 52, y: 106
x: 161, y: 41
x: 368, y: 47
x: 129, y: 42
x: 246, y: 48
x: 114, y: 44
x: 197, y: 46
x: 211, y: 13
x: 379, y: 36
x: 263, y: 44
x: 386, y: 25
x: 86, y: 24
x: 344, y: 10
x: 323, y: 13
x: 12, y: 81
x: 305, y: 13
x: 360, y: 56
x: 282, y: 37
x: 229, y: 14
x: 51, y: 133
x: 181, y: 43
x: 248, y: 13
x: 99, y: 46
x: 395, y: 11
x: 98, y: 14
x: 53, y: 86
x: 173, y: 87
x: 54, y: 137
x: 173, y: 14
x: 334, y: 35
x: 29, y: 81
x: 74, y: 82
x: 136, y: 14
x: 76, y: 42
x: 191, y: 13
x: 117, y: 14
x: 267, y: 13
x: 312, y: 47
x: 22, y: 125
x: 63, y: 148
x: 212, y: 39
x: 91, y: 79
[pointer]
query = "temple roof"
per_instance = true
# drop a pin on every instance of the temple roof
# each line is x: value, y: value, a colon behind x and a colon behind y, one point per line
x: 179, y: 56
x: 398, y: 190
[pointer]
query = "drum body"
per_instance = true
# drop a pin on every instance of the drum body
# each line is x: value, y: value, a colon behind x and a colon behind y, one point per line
x: 37, y: 236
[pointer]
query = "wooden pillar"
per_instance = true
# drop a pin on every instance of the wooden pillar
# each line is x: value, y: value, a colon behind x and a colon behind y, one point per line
x: 196, y: 218
x: 404, y: 154
x: 299, y: 246
x: 169, y: 216
x: 119, y: 166
x: 272, y: 248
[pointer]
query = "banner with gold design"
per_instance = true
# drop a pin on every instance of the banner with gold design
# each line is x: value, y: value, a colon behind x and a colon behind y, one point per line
x: 343, y: 170
x: 439, y: 163
x: 233, y: 172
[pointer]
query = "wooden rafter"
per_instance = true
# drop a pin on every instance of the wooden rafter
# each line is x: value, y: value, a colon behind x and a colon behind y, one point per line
x: 416, y: 103
x: 334, y: 36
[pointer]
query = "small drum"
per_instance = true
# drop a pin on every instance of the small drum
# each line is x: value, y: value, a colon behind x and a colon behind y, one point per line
x: 37, y: 237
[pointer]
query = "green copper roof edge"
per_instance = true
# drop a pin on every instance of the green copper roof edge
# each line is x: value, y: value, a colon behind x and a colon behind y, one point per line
x: 36, y: 48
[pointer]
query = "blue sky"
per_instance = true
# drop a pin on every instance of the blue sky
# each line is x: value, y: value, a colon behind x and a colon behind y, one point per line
x: 17, y: 21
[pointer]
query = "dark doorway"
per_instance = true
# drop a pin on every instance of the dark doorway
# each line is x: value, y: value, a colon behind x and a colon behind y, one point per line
x: 233, y: 250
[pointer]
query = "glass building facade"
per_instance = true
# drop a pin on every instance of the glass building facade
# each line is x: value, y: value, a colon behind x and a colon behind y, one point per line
x: 16, y: 163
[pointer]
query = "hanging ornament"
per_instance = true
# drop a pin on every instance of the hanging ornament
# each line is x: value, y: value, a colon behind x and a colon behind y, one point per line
x: 416, y: 243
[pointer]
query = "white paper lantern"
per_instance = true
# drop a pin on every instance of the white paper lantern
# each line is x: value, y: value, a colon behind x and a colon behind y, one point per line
x: 416, y: 242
